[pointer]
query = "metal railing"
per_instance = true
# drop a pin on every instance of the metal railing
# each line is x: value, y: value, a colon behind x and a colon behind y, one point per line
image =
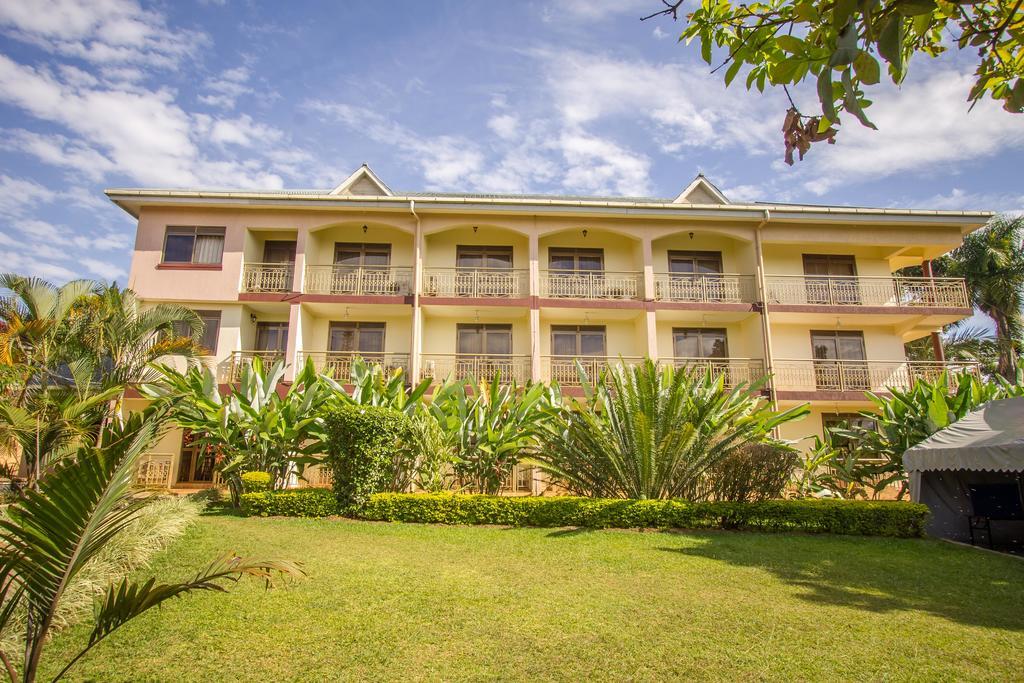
x: 589, y: 284
x: 231, y: 368
x: 734, y: 370
x: 563, y: 369
x: 314, y: 476
x: 365, y: 281
x: 862, y: 375
x: 476, y: 282
x: 704, y: 288
x: 440, y: 366
x: 267, y: 277
x: 829, y: 290
x: 338, y: 364
x: 154, y: 470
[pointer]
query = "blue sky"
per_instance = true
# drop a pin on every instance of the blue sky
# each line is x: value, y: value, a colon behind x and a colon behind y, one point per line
x: 570, y: 96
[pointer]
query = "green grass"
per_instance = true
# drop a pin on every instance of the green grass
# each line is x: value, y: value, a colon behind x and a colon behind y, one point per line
x: 391, y: 601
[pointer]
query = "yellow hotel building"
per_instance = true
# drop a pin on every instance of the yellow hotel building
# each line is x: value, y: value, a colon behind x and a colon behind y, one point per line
x: 526, y: 284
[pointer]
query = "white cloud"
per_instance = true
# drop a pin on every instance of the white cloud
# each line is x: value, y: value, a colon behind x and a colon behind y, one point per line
x: 601, y: 166
x: 103, y: 269
x: 19, y: 194
x: 504, y: 125
x: 593, y: 10
x: 923, y: 127
x: 225, y: 89
x: 58, y: 150
x: 958, y: 199
x: 100, y: 31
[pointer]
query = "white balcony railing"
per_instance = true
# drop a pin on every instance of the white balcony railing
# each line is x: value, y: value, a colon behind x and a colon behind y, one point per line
x: 231, y: 369
x: 704, y: 288
x: 563, y: 369
x: 154, y: 471
x: 483, y: 367
x: 735, y: 370
x: 861, y: 375
x: 267, y: 277
x: 363, y: 281
x: 589, y: 284
x: 476, y: 282
x: 338, y: 364
x: 827, y: 290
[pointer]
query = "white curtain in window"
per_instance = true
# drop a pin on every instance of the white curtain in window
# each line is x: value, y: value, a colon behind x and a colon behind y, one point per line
x: 209, y: 248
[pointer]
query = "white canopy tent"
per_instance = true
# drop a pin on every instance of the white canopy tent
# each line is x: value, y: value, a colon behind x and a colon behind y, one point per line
x: 983, y: 452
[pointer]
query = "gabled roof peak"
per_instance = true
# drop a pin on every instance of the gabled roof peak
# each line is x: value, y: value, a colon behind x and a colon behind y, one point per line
x: 363, y: 182
x: 701, y: 191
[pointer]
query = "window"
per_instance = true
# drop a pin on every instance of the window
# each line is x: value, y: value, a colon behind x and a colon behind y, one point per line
x: 279, y: 251
x: 576, y: 259
x: 845, y: 421
x: 208, y: 337
x: 839, y: 361
x: 698, y: 342
x: 484, y: 339
x: 357, y: 337
x: 356, y: 255
x: 694, y: 262
x: 272, y: 337
x: 483, y: 257
x: 578, y: 340
x: 195, y: 245
x: 196, y: 464
x: 838, y: 282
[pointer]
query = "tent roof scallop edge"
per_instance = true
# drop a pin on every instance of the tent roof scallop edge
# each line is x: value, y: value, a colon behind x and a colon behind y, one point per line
x: 990, y: 439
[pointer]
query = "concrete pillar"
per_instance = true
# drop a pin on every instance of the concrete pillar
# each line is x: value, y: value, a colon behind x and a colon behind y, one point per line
x: 294, y: 341
x: 647, y: 250
x: 299, y: 274
x: 535, y: 363
x: 651, y: 321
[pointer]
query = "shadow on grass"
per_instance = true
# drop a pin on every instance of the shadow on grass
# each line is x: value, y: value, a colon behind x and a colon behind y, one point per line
x: 571, y: 531
x: 879, y: 575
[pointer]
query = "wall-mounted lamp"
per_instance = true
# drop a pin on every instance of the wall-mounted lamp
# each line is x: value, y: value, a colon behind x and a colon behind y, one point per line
x: 475, y: 228
x: 346, y: 313
x: 252, y: 318
x: 584, y: 232
x: 365, y: 228
x: 691, y: 235
x: 586, y: 317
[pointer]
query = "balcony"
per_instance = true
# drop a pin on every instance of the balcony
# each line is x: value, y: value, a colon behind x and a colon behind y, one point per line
x: 267, y: 277
x: 482, y: 283
x: 828, y: 290
x: 338, y: 364
x: 484, y: 367
x: 231, y: 368
x: 862, y: 375
x: 563, y: 369
x: 736, y: 371
x: 590, y: 284
x: 359, y: 281
x: 704, y: 288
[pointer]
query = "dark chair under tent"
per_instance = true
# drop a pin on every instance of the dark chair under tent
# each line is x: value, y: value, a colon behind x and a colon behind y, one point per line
x: 993, y: 503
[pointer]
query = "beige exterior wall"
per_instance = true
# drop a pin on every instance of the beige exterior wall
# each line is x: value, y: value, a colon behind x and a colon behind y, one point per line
x: 631, y: 241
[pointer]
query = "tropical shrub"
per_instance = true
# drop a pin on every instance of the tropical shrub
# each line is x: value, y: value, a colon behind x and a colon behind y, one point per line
x: 905, y: 418
x: 431, y: 454
x: 252, y: 427
x: 367, y: 448
x: 492, y: 426
x: 52, y: 534
x: 753, y: 472
x: 645, y: 432
x: 296, y: 503
x: 256, y: 482
x: 371, y: 386
x: 865, y: 518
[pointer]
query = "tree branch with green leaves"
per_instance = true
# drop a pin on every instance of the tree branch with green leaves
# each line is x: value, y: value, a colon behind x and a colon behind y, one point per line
x: 842, y: 46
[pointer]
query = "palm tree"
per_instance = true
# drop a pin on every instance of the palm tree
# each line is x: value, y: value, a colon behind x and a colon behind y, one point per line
x: 960, y: 343
x: 646, y: 432
x: 52, y: 533
x: 991, y: 261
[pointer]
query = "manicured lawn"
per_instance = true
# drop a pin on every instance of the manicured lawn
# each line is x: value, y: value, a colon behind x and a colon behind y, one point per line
x: 388, y: 602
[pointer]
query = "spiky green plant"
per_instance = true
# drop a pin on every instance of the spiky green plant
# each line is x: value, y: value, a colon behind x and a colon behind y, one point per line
x: 52, y: 534
x: 649, y: 432
x: 372, y: 386
x: 493, y: 425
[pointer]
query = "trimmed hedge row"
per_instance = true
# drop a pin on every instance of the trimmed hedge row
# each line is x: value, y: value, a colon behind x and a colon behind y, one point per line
x: 297, y: 503
x: 848, y: 517
x: 852, y: 517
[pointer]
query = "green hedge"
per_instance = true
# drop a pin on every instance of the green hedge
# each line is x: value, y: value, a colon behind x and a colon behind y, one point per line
x: 297, y: 503
x: 255, y: 482
x: 863, y: 518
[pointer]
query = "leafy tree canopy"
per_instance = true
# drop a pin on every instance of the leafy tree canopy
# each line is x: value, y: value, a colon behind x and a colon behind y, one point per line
x: 845, y: 45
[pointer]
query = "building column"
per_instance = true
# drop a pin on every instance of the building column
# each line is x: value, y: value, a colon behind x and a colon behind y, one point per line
x: 647, y: 249
x: 299, y: 267
x: 937, y: 348
x: 651, y: 321
x: 535, y: 369
x: 294, y: 341
x: 416, y: 349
